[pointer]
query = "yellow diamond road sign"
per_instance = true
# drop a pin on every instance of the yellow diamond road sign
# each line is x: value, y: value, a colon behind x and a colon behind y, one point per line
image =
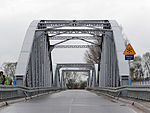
x: 129, y: 50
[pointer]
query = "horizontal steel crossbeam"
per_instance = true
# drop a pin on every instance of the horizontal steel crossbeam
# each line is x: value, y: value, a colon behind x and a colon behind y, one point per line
x: 76, y: 70
x: 64, y: 23
x: 68, y: 21
x: 76, y: 46
x: 94, y: 32
x: 74, y: 37
x: 56, y: 25
x: 75, y: 65
x: 75, y: 31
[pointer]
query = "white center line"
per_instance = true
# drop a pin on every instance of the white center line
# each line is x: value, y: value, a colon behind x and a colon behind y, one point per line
x: 70, y: 105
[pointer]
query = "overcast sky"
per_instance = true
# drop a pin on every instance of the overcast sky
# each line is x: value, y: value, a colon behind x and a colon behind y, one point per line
x: 16, y: 15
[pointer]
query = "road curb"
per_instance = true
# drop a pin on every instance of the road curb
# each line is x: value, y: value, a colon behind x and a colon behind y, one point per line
x: 133, y: 103
x: 140, y: 106
x: 136, y: 104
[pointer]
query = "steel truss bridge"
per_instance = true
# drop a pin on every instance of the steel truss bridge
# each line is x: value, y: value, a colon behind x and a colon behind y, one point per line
x: 35, y: 77
x: 34, y: 67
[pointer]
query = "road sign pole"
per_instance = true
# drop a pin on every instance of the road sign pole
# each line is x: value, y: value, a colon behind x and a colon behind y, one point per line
x: 130, y: 72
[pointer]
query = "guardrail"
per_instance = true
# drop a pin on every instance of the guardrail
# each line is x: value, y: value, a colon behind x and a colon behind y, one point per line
x: 141, y: 82
x: 138, y: 92
x: 7, y: 92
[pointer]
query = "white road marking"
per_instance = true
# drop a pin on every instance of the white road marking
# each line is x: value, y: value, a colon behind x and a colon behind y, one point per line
x: 70, y: 105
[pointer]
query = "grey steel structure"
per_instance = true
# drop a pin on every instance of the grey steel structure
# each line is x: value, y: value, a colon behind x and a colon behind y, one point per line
x: 82, y: 67
x: 63, y: 79
x: 34, y: 67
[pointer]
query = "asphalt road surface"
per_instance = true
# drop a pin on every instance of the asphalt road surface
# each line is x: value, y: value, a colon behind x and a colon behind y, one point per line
x: 70, y: 101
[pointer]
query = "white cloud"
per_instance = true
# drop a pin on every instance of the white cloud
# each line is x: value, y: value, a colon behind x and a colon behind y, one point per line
x: 15, y: 16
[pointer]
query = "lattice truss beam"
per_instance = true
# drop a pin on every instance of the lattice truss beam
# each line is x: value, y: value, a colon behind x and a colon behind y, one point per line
x: 43, y: 24
x: 54, y: 29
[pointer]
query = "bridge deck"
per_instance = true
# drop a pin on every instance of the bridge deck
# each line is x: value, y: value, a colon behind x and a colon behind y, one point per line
x: 70, y: 101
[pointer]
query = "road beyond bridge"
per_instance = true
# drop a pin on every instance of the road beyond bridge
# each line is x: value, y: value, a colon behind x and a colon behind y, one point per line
x: 69, y: 101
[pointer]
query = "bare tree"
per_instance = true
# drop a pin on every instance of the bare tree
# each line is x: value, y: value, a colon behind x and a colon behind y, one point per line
x: 93, y: 54
x: 146, y: 64
x: 9, y: 68
x: 72, y: 75
x: 72, y: 79
x: 137, y: 69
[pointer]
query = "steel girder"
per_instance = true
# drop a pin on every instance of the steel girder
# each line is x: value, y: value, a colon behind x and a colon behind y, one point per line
x: 114, y: 70
x: 74, y: 65
x: 34, y: 64
x: 76, y: 46
x: 24, y: 57
x: 123, y: 65
x: 34, y: 67
x: 63, y: 23
x: 75, y: 31
x: 73, y: 70
x: 74, y: 37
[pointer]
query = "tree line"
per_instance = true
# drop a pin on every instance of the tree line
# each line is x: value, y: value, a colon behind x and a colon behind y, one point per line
x: 74, y: 80
x: 140, y: 67
x: 9, y: 68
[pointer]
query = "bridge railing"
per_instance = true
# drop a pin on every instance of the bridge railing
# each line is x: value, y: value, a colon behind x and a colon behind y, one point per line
x: 7, y: 92
x: 139, y: 92
x: 141, y: 82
